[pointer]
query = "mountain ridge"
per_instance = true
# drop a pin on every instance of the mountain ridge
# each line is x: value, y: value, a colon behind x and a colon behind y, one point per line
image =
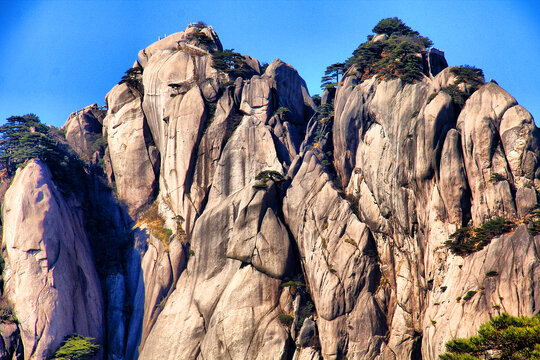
x: 311, y: 233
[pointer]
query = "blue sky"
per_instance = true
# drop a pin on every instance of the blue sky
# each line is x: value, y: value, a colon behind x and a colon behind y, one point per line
x: 59, y: 56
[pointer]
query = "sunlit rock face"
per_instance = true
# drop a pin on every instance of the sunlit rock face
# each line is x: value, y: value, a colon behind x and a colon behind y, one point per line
x: 262, y: 229
x: 49, y: 273
x: 419, y: 170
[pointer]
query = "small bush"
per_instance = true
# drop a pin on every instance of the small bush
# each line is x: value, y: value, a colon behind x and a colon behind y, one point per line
x: 7, y: 315
x: 167, y: 232
x: 285, y: 319
x: 230, y: 62
x: 495, y: 177
x: 156, y: 224
x: 76, y: 347
x: 469, y: 75
x: 443, y: 288
x: 191, y: 252
x: 267, y: 175
x: 292, y: 283
x: 260, y: 186
x: 351, y: 241
x: 133, y: 79
x: 492, y: 273
x: 415, y: 114
x: 469, y: 295
x: 533, y: 220
x: 431, y: 97
x: 282, y: 111
x: 458, y: 97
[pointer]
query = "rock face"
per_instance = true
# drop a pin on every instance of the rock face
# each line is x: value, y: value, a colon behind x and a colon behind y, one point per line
x: 49, y: 273
x: 263, y: 229
x: 418, y: 171
x: 83, y: 130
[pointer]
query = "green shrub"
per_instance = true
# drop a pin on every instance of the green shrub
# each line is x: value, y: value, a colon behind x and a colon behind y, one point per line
x: 285, y: 319
x: 533, y: 220
x: 155, y: 223
x: 230, y: 62
x: 77, y: 347
x: 469, y: 75
x: 282, y: 111
x: 167, y: 232
x: 502, y: 337
x: 292, y: 283
x: 492, y: 273
x: 133, y: 79
x: 306, y: 310
x: 269, y: 175
x: 191, y: 252
x: 202, y: 38
x: 415, y: 114
x: 260, y: 186
x: 431, y: 97
x: 469, y: 295
x: 443, y: 288
x: 466, y: 240
x: 458, y: 97
x: 6, y: 313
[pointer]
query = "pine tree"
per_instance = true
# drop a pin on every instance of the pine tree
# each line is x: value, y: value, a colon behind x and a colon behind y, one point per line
x: 504, y: 337
x: 332, y: 75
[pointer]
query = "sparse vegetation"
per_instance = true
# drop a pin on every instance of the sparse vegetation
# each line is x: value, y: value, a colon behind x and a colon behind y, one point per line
x: 285, y: 319
x: 492, y: 273
x: 469, y: 295
x: 469, y: 75
x: 133, y: 79
x: 282, y: 111
x: 458, y: 97
x: 533, y: 220
x: 495, y: 177
x: 230, y: 62
x: 260, y: 186
x: 24, y: 138
x: 467, y: 240
x: 397, y: 56
x: 351, y: 241
x: 7, y: 315
x: 332, y: 75
x: 503, y: 337
x: 156, y: 225
x: 265, y: 176
x: 77, y: 347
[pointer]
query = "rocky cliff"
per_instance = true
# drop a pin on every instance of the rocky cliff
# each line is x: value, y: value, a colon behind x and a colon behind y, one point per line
x: 260, y: 227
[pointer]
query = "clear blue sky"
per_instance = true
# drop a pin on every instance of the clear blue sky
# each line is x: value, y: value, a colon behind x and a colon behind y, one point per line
x: 59, y: 56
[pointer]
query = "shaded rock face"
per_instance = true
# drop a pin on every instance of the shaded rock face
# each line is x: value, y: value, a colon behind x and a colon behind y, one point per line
x: 49, y: 275
x: 83, y: 128
x: 134, y: 160
x: 418, y: 169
